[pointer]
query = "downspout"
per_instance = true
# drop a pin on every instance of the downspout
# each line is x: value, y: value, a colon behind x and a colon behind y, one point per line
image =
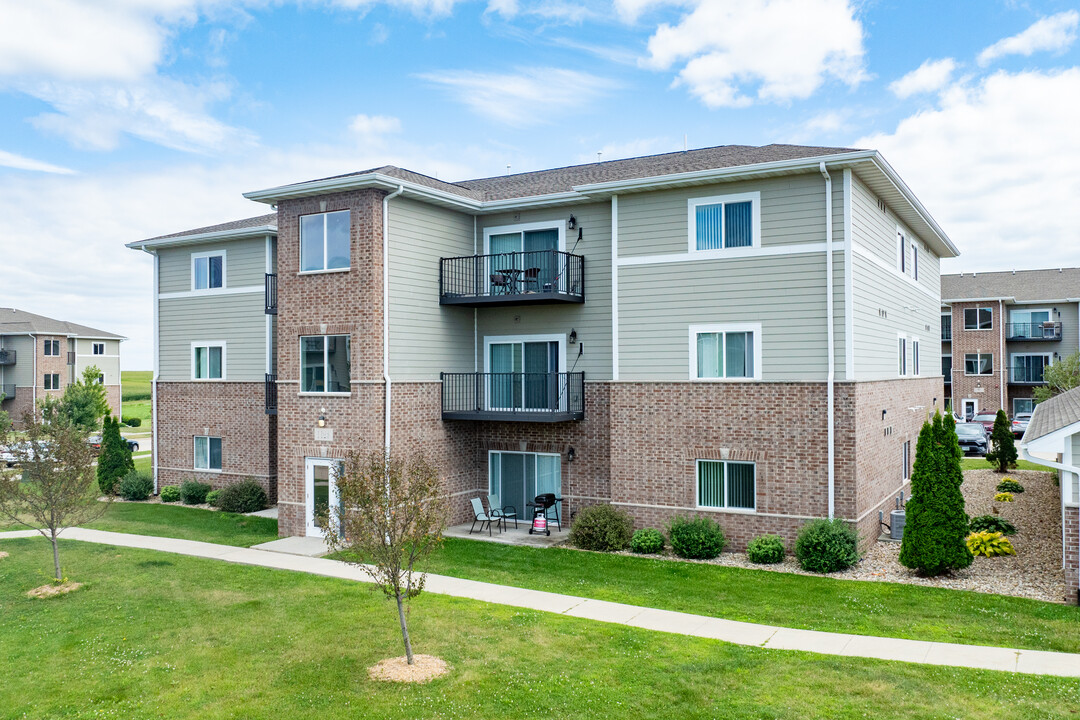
x: 33, y: 385
x: 830, y: 401
x: 386, y: 311
x: 475, y: 311
x: 154, y: 381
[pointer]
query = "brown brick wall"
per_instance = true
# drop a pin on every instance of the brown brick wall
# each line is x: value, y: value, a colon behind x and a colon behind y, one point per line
x: 986, y: 389
x: 233, y: 411
x: 1072, y: 555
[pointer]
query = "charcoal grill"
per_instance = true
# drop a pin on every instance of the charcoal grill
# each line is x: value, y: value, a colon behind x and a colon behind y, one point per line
x: 541, y: 504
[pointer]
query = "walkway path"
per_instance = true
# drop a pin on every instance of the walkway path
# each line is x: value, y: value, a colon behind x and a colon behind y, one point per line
x: 741, y: 633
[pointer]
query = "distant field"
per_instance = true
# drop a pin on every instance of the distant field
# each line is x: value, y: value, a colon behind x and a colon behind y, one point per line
x: 135, y: 384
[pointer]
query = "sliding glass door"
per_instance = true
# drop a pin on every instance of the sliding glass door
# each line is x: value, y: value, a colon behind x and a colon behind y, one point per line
x: 517, y: 478
x: 524, y: 375
x: 525, y: 261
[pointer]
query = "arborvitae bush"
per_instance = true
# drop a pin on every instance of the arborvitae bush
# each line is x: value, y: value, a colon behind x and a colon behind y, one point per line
x: 698, y: 539
x: 1002, y: 445
x: 647, y: 541
x: 936, y: 523
x: 826, y: 546
x: 765, y: 549
x: 246, y: 496
x: 602, y: 527
x: 114, y: 461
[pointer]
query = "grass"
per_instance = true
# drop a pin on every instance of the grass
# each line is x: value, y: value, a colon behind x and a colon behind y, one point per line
x: 135, y: 384
x: 166, y: 636
x: 772, y: 598
x: 978, y: 463
x: 143, y: 464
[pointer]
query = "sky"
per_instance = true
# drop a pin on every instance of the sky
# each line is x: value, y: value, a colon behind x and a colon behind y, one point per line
x: 126, y: 119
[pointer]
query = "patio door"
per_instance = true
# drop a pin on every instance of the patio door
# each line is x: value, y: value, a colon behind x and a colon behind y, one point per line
x: 523, y: 375
x: 1028, y: 323
x: 528, y: 258
x: 1029, y: 368
x: 517, y: 478
x: 320, y: 482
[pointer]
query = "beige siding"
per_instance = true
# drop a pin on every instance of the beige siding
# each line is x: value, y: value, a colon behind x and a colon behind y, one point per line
x: 245, y: 264
x: 237, y: 319
x: 22, y: 372
x: 108, y: 364
x: 591, y: 320
x: 426, y: 338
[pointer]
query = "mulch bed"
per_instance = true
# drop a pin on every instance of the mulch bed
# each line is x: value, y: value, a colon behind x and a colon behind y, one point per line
x: 425, y: 668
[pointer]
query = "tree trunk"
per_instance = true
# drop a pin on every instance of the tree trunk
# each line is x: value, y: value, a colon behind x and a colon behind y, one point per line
x: 56, y: 556
x: 404, y: 629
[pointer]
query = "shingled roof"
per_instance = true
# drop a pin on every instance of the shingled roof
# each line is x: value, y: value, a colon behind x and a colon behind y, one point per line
x: 252, y: 222
x: 1054, y: 414
x: 1022, y: 285
x: 14, y: 321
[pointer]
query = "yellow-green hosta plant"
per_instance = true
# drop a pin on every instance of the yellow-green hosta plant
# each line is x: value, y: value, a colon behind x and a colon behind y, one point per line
x: 1003, y: 497
x: 990, y: 544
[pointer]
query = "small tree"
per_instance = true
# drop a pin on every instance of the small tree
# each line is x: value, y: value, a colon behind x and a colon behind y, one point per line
x: 390, y: 516
x: 115, y: 461
x: 56, y: 489
x: 83, y: 403
x: 936, y: 523
x: 1003, y: 450
x: 1059, y: 377
x: 5, y: 419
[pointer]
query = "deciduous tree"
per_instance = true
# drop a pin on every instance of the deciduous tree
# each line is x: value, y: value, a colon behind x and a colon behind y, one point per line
x: 1059, y: 377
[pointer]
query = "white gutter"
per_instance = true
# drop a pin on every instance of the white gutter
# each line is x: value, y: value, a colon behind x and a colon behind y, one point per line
x: 386, y: 311
x: 33, y: 385
x: 830, y: 332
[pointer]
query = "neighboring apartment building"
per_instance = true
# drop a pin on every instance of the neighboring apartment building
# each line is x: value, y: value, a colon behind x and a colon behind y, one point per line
x: 1000, y: 330
x: 744, y: 332
x: 40, y: 357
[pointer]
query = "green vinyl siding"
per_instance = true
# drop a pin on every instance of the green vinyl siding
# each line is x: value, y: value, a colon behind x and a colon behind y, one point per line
x: 238, y: 320
x: 22, y: 372
x: 108, y: 364
x: 245, y: 264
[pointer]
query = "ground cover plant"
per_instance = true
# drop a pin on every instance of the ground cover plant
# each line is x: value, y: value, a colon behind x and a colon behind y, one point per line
x: 153, y: 656
x: 1009, y: 485
x: 991, y: 523
x: 989, y: 544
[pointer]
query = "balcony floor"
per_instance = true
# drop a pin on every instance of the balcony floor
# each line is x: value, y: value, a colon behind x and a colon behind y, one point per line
x: 527, y: 298
x: 513, y: 416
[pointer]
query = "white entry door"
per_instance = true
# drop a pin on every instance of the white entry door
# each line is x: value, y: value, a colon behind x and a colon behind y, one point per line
x: 320, y: 479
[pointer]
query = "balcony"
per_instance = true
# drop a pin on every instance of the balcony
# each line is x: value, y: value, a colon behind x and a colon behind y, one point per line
x: 7, y: 392
x: 947, y: 374
x: 514, y: 397
x: 271, y: 394
x: 517, y: 278
x: 271, y: 294
x: 1026, y: 375
x: 946, y: 334
x: 7, y: 357
x: 1033, y: 332
x: 71, y: 358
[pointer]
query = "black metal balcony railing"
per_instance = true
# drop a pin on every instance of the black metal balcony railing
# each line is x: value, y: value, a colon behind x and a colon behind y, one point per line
x: 271, y: 294
x: 1033, y: 332
x: 1024, y: 375
x: 7, y: 392
x: 7, y: 357
x: 515, y: 278
x: 271, y: 394
x: 513, y: 397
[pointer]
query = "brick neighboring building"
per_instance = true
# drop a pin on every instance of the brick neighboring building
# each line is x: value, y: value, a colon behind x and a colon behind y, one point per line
x: 40, y: 357
x: 739, y: 332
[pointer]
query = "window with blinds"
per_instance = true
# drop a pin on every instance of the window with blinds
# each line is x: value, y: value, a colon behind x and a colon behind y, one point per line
x: 726, y: 484
x: 723, y: 222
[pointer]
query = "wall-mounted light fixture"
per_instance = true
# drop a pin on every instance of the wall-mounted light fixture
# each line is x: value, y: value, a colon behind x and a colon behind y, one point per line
x: 321, y: 422
x: 571, y: 223
x: 571, y: 454
x: 935, y: 402
x: 573, y: 336
x: 883, y: 414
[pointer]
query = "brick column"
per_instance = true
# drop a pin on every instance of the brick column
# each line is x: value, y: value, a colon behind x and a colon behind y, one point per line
x: 987, y: 389
x: 1071, y: 534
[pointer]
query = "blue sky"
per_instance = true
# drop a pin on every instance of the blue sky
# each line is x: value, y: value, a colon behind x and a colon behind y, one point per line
x: 124, y: 119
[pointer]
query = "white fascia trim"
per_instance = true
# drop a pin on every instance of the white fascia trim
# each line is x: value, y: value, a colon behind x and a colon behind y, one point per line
x: 754, y: 198
x: 729, y: 254
x: 754, y: 328
x: 904, y: 190
x: 982, y: 299
x: 224, y: 270
x: 205, y: 237
x: 615, y: 287
x: 244, y: 290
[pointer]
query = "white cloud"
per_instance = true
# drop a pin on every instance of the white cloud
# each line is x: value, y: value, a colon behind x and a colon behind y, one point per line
x: 1055, y: 33
x: 929, y: 77
x: 631, y: 10
x: 373, y: 126
x: 20, y: 162
x: 521, y: 98
x: 995, y: 164
x: 506, y: 8
x: 631, y: 148
x: 786, y: 49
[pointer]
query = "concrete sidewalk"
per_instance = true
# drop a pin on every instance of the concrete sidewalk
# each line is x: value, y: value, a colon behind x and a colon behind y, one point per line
x: 1035, y: 662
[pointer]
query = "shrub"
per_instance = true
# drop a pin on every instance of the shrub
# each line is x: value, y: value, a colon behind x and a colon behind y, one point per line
x: 647, y: 541
x: 132, y: 421
x: 136, y: 486
x: 213, y: 498
x: 992, y: 523
x: 1003, y: 446
x: 766, y: 549
x: 825, y: 546
x: 193, y: 492
x: 114, y: 461
x: 990, y: 544
x: 699, y: 538
x: 245, y: 496
x: 602, y: 527
x: 1003, y: 497
x: 170, y: 494
x: 1010, y: 485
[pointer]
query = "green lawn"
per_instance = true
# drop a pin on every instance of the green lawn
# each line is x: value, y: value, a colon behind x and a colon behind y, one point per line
x: 165, y: 636
x: 142, y: 464
x: 772, y: 598
x: 135, y: 384
x: 977, y: 463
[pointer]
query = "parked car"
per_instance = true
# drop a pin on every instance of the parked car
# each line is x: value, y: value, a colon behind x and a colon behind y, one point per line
x: 972, y: 437
x: 987, y: 420
x: 7, y: 457
x: 1020, y: 423
x: 94, y: 441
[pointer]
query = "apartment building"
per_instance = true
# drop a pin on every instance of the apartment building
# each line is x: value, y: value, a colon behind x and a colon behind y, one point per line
x: 40, y: 357
x: 749, y: 333
x: 1001, y: 330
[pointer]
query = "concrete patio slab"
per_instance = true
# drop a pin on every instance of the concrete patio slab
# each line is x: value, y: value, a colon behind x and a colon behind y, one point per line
x: 271, y: 513
x: 306, y: 546
x: 510, y: 536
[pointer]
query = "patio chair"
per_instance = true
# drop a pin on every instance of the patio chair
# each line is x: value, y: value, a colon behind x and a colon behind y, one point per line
x: 502, y: 512
x: 531, y: 279
x: 500, y: 284
x: 482, y: 517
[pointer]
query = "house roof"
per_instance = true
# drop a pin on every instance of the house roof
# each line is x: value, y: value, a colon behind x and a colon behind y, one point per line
x: 20, y: 322
x: 248, y: 227
x: 259, y: 221
x: 1018, y: 285
x: 1054, y: 414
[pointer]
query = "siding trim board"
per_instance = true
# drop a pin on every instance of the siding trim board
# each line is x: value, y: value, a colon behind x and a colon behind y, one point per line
x: 246, y: 290
x: 729, y: 254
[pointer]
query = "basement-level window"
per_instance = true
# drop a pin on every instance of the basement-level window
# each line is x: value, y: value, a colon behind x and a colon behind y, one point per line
x: 726, y: 484
x: 207, y: 452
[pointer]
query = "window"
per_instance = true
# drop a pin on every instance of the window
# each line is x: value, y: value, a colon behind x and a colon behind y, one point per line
x: 724, y: 484
x: 208, y: 270
x: 52, y: 381
x: 725, y: 352
x: 52, y: 348
x: 324, y: 241
x: 208, y: 361
x: 907, y: 255
x: 978, y: 364
x: 1023, y: 405
x: 517, y: 478
x: 978, y: 318
x: 1029, y: 368
x: 724, y: 221
x: 207, y: 453
x: 526, y: 257
x: 902, y: 350
x: 946, y: 367
x: 946, y: 327
x: 523, y: 372
x: 905, y: 460
x: 99, y: 348
x: 324, y: 364
x: 915, y: 356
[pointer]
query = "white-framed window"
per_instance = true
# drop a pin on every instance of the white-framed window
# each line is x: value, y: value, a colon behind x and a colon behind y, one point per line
x: 905, y: 460
x: 208, y: 270
x: 730, y: 351
x: 722, y: 222
x: 208, y: 360
x: 207, y: 453
x: 99, y: 348
x: 1023, y: 405
x: 979, y: 364
x: 979, y: 318
x: 901, y: 350
x: 325, y: 364
x: 518, y: 477
x: 324, y: 241
x: 1029, y: 367
x: 52, y: 348
x: 946, y: 327
x: 915, y: 356
x: 726, y: 484
x: 907, y: 254
x: 525, y: 257
x: 52, y: 381
x: 946, y: 368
